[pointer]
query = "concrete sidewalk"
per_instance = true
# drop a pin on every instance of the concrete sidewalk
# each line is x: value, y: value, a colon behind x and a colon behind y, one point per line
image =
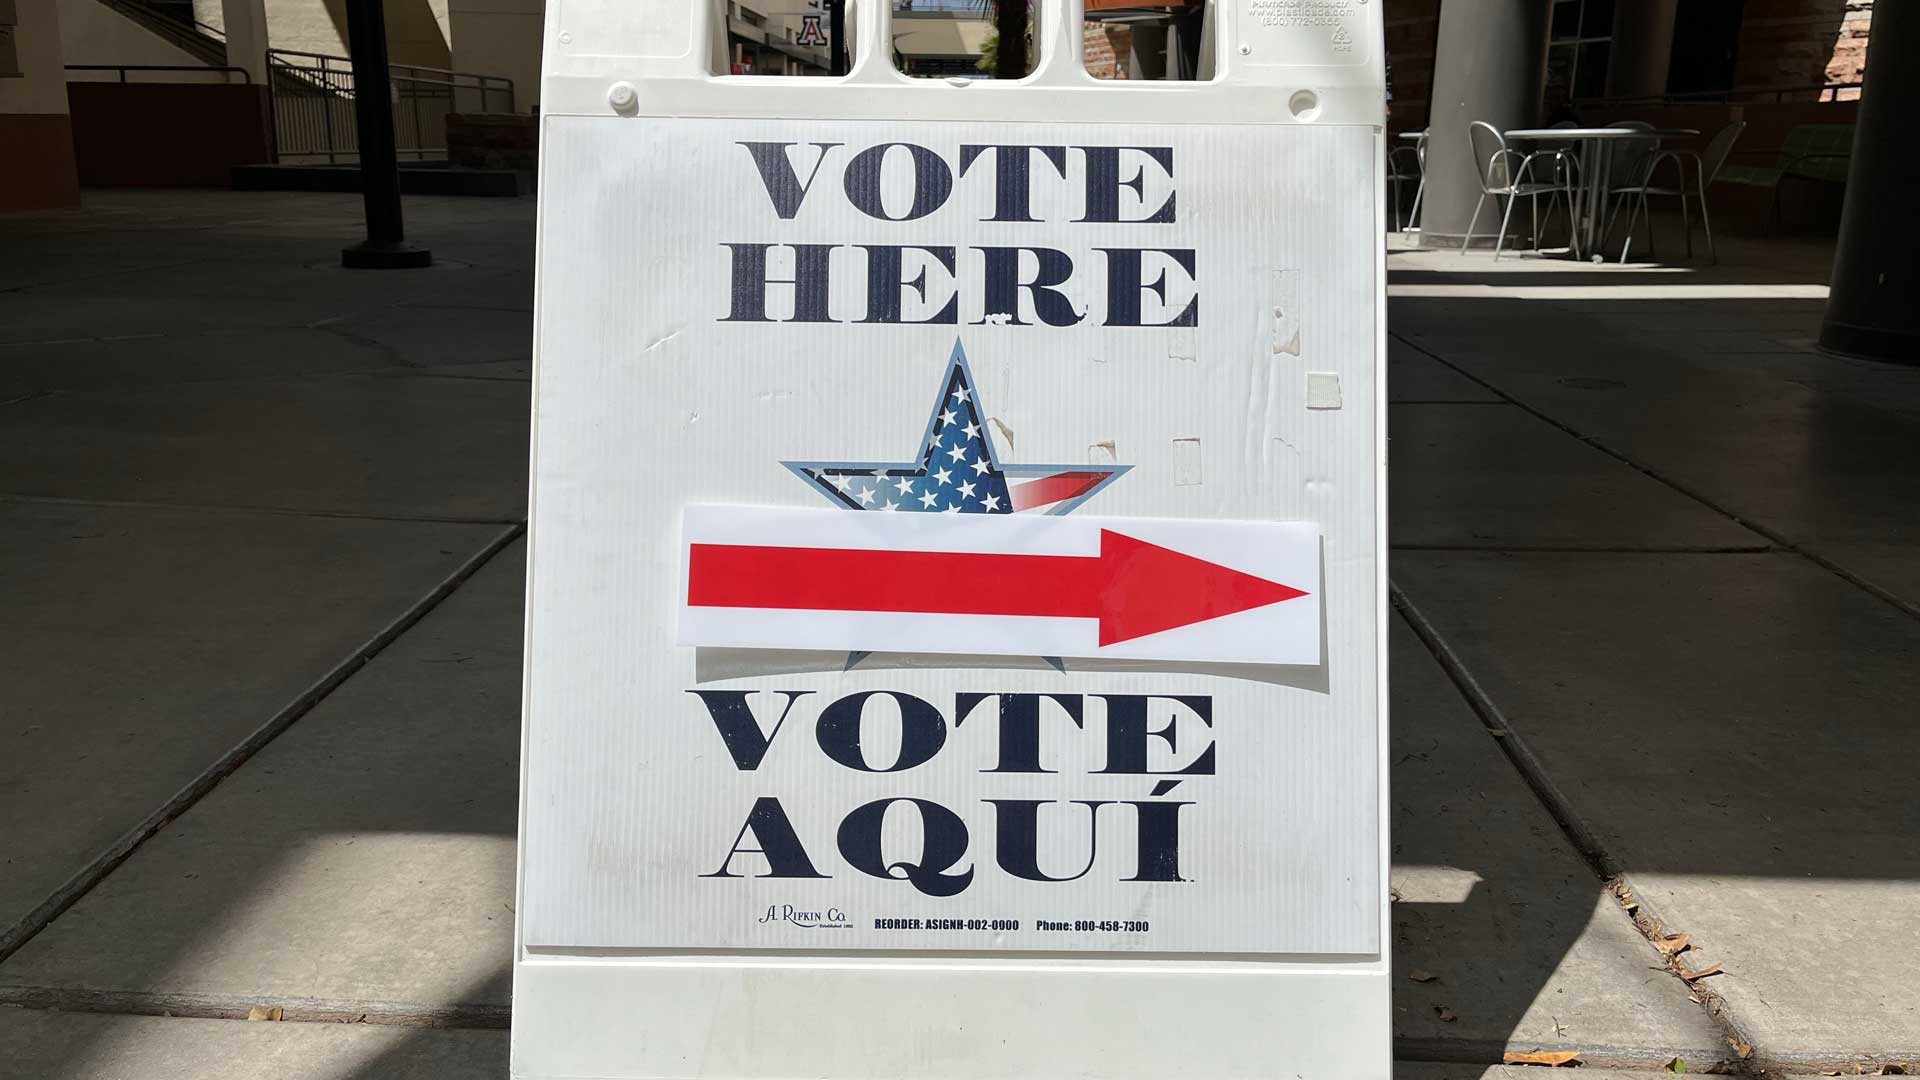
x: 1654, y: 655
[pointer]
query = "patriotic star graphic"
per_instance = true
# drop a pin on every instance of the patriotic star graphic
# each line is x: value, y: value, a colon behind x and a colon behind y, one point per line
x: 956, y: 469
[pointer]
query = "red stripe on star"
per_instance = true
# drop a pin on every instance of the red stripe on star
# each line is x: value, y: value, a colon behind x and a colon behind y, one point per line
x: 1052, y: 489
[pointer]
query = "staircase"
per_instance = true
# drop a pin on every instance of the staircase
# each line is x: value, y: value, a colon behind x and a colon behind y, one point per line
x: 176, y: 24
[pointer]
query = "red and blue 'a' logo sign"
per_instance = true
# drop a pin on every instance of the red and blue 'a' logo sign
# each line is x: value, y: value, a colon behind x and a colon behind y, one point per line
x: 957, y: 469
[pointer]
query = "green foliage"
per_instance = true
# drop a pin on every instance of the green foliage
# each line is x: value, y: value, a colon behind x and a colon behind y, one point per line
x: 990, y: 51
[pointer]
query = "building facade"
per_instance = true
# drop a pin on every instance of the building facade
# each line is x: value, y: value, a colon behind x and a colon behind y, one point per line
x: 1601, y: 54
x: 1599, y: 50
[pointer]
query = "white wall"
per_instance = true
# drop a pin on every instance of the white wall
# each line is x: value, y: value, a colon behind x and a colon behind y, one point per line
x: 210, y: 12
x: 417, y: 30
x: 307, y: 25
x: 501, y: 37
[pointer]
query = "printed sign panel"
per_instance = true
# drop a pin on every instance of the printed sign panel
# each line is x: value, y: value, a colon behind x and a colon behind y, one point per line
x: 955, y: 536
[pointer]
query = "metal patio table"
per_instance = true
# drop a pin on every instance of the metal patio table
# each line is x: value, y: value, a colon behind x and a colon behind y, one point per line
x: 1596, y: 161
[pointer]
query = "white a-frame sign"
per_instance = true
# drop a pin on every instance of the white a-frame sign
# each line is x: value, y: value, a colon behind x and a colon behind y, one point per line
x: 955, y: 633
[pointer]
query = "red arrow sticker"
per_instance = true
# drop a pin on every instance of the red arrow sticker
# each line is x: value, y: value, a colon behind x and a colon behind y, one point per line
x: 1052, y: 586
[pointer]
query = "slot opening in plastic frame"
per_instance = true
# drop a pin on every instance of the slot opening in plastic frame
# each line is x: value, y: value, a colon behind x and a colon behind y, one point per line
x: 957, y: 42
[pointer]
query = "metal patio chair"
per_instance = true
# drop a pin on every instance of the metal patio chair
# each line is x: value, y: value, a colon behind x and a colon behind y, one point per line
x: 1406, y: 163
x: 1627, y: 165
x: 1420, y: 189
x: 1705, y: 166
x: 1508, y: 173
x: 1814, y: 153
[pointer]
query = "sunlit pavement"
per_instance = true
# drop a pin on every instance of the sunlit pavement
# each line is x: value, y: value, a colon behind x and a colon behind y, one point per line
x: 1654, y: 653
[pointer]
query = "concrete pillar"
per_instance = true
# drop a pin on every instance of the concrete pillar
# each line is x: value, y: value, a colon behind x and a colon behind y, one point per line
x: 1642, y: 47
x: 1489, y: 64
x: 1871, y: 310
x: 37, y: 167
x: 245, y: 24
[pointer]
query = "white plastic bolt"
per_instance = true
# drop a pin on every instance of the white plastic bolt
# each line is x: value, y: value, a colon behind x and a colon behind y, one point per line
x: 566, y: 38
x: 1245, y: 49
x: 621, y: 95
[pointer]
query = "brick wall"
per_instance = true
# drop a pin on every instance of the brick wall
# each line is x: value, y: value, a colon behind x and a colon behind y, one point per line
x: 494, y: 141
x: 1412, y: 28
x: 1802, y: 42
x: 1107, y: 46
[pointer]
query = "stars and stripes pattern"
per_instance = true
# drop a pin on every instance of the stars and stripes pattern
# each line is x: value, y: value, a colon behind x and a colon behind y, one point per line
x: 957, y: 469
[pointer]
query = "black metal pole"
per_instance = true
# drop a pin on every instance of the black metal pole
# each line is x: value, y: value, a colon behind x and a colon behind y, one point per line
x: 837, y: 34
x: 1870, y: 307
x: 385, y: 247
x: 1010, y: 28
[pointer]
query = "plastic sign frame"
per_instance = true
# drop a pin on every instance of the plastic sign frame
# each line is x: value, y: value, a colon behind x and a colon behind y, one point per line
x: 768, y: 861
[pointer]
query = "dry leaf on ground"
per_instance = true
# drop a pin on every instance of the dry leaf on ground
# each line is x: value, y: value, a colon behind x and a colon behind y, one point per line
x: 1541, y: 1057
x: 1672, y: 945
x: 258, y: 1013
x: 1710, y: 969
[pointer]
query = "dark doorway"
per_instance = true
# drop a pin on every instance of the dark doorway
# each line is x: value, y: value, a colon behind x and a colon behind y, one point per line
x: 1705, y: 37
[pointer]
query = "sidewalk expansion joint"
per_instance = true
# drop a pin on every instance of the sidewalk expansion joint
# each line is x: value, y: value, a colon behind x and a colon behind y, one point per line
x: 1579, y: 833
x: 97, y: 869
x: 204, y: 1006
x: 1879, y: 592
x: 1481, y: 1053
x: 283, y: 511
x: 29, y: 286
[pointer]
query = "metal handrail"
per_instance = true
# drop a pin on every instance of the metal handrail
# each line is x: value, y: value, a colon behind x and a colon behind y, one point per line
x: 331, y: 64
x: 1748, y: 94
x: 311, y: 99
x: 346, y: 64
x: 245, y: 76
